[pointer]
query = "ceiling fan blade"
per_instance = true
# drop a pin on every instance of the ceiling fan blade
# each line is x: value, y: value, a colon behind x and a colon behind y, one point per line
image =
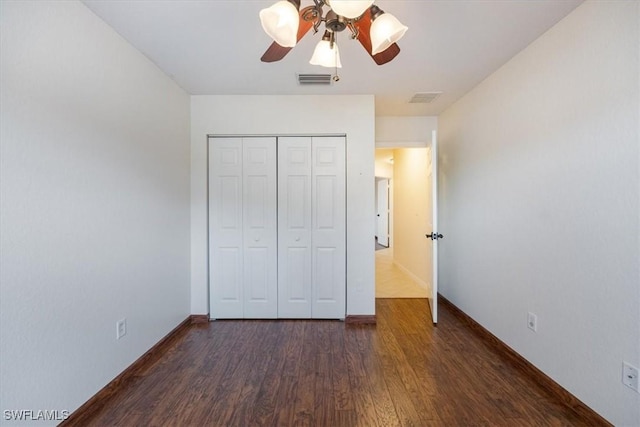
x: 387, y: 55
x: 275, y: 52
x: 363, y: 25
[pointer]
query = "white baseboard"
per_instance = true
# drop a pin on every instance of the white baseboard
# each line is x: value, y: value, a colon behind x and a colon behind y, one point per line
x: 415, y: 278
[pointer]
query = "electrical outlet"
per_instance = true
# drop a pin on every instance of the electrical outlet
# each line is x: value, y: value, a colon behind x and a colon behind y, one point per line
x: 630, y: 376
x: 121, y: 328
x: 532, y: 322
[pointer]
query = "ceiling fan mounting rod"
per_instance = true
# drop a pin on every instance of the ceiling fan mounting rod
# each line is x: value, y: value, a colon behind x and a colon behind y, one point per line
x: 333, y: 22
x: 319, y: 3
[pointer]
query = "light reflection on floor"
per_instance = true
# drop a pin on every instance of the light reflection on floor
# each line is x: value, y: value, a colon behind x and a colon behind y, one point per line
x: 392, y: 282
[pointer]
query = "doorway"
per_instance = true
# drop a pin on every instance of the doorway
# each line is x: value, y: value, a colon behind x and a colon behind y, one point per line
x: 403, y: 267
x: 382, y: 212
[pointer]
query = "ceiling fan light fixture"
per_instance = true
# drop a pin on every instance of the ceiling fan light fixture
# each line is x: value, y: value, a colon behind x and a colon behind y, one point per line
x: 386, y: 29
x: 326, y: 53
x: 350, y: 9
x: 286, y: 22
x: 280, y: 21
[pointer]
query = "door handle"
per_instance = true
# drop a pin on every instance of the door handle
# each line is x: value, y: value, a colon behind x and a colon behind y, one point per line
x: 434, y: 236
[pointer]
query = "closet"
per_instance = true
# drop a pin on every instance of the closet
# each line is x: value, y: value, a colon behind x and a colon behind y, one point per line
x: 277, y: 227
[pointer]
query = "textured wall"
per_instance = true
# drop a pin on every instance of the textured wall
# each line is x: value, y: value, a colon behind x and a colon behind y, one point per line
x: 539, y: 204
x: 95, y: 205
x: 281, y: 115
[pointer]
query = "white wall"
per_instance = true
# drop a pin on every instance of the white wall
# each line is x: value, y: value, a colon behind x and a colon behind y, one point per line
x: 279, y: 115
x: 412, y: 213
x: 383, y: 167
x: 539, y: 204
x: 95, y: 205
x: 404, y: 131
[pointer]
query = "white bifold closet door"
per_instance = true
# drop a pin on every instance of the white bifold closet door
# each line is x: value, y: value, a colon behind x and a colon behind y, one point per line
x: 311, y: 227
x: 243, y: 228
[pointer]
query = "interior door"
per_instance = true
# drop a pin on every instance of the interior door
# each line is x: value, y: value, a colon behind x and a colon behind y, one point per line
x: 260, y: 275
x: 435, y: 235
x: 311, y: 227
x: 383, y: 212
x: 225, y: 228
x: 294, y: 227
x: 328, y: 221
x: 242, y: 228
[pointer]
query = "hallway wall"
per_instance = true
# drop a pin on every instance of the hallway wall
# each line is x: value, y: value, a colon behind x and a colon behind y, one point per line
x: 412, y: 212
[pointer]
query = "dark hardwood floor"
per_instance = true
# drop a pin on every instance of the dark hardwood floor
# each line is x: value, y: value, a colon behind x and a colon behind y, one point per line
x: 402, y: 371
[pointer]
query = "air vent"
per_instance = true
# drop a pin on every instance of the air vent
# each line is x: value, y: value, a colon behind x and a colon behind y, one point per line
x: 425, y: 97
x: 314, y: 79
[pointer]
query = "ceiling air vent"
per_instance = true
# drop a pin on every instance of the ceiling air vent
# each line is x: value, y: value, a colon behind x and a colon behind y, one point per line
x: 425, y: 97
x: 314, y: 79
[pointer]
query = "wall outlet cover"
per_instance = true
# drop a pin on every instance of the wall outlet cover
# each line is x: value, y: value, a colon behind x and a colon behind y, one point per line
x: 630, y: 376
x: 121, y: 328
x: 532, y: 322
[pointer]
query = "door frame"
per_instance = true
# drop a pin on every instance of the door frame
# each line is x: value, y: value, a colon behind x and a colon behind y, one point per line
x: 429, y: 144
x: 387, y: 210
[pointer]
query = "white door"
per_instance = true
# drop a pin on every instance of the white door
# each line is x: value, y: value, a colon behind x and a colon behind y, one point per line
x: 311, y: 227
x: 225, y: 228
x: 294, y: 227
x: 260, y: 275
x: 242, y: 228
x: 435, y: 235
x: 329, y: 228
x: 382, y: 213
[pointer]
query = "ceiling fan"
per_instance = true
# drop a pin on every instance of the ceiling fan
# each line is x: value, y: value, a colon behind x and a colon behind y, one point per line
x: 287, y: 24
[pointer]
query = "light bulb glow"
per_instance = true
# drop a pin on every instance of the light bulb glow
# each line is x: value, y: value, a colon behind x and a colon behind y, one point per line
x: 280, y: 22
x: 326, y: 56
x: 350, y: 9
x: 385, y: 31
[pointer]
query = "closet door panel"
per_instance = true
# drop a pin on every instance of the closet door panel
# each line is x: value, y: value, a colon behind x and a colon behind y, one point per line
x: 225, y: 228
x: 297, y: 291
x: 260, y: 284
x: 328, y: 228
x: 228, y: 274
x: 277, y: 232
x: 294, y: 227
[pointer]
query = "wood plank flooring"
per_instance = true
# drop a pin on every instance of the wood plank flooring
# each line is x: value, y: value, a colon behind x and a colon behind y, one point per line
x: 401, y: 372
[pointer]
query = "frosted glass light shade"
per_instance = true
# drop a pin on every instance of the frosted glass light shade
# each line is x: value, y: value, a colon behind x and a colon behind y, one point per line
x: 280, y: 21
x: 325, y: 56
x: 385, y: 31
x: 350, y: 9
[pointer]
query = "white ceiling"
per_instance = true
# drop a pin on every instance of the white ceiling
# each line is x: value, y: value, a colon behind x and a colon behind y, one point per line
x: 213, y: 47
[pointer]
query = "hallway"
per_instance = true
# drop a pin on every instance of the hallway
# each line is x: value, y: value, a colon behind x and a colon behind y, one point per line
x: 392, y: 282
